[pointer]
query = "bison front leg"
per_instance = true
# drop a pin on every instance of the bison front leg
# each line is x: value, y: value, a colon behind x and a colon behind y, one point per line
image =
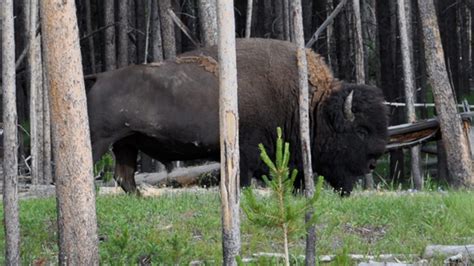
x: 125, y: 165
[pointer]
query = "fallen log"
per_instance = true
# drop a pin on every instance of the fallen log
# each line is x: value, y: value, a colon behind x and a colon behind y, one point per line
x: 203, y: 175
x: 446, y: 251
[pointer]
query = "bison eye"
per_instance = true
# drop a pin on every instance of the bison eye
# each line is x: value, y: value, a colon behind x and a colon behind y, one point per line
x: 362, y: 132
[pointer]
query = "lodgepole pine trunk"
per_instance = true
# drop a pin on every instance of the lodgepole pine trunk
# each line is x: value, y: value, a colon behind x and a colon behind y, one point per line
x: 90, y: 40
x: 455, y: 142
x: 360, y: 65
x: 167, y: 30
x: 229, y: 132
x: 304, y: 125
x: 122, y: 34
x: 10, y: 138
x: 109, y: 36
x: 207, y: 17
x: 75, y: 193
x: 36, y: 98
x: 156, y: 45
x: 409, y: 82
x: 248, y: 19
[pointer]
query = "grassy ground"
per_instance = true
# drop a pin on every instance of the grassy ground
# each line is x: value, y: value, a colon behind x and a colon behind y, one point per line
x: 177, y: 229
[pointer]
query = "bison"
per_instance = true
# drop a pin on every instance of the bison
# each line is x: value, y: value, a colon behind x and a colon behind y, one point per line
x: 169, y: 111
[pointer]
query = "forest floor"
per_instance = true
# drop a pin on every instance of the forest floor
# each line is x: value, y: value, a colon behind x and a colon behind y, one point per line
x: 180, y: 226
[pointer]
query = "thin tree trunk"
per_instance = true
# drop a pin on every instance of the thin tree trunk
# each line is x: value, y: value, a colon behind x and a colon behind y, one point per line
x: 359, y: 45
x: 286, y: 20
x: 156, y: 46
x: 330, y: 39
x: 147, y: 30
x: 132, y: 46
x: 140, y: 18
x: 409, y: 81
x: 109, y: 35
x: 10, y: 138
x: 122, y: 38
x: 304, y: 125
x: 229, y: 132
x: 36, y: 97
x: 464, y: 49
x: 207, y: 17
x: 248, y: 20
x: 77, y: 223
x: 456, y: 144
x: 90, y: 40
x: 167, y: 29
x: 47, y: 157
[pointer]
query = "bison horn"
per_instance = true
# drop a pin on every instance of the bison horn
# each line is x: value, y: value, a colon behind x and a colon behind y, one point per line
x: 348, y: 114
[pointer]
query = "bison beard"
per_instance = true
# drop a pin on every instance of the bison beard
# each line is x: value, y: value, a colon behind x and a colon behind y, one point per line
x: 170, y: 110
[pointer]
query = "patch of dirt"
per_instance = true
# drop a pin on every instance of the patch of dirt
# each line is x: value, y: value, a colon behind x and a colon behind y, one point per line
x: 369, y: 233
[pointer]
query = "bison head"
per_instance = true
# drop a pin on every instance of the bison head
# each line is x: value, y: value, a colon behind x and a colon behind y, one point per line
x: 350, y: 134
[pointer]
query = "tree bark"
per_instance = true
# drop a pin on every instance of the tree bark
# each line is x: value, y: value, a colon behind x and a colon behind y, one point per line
x: 122, y: 38
x: 109, y: 36
x: 286, y: 20
x: 456, y: 144
x: 464, y: 47
x: 36, y: 98
x: 207, y: 17
x: 90, y: 40
x: 156, y: 46
x: 359, y: 44
x: 229, y: 132
x: 77, y: 223
x: 297, y: 16
x: 10, y: 138
x: 167, y: 30
x: 47, y: 156
x: 248, y: 20
x: 387, y: 51
x: 409, y: 82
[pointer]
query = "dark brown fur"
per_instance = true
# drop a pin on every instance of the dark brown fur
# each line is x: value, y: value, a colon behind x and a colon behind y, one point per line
x: 170, y: 111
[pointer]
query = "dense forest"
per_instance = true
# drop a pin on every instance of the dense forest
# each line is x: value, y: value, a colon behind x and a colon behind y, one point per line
x: 114, y: 34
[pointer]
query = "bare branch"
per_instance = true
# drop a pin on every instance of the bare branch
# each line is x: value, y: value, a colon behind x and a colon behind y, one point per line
x: 328, y: 20
x: 183, y: 27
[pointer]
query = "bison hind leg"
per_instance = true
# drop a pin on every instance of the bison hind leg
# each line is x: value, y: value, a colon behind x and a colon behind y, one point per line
x: 125, y: 165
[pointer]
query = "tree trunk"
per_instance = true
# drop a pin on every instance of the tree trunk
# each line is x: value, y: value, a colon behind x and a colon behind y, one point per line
x: 132, y: 46
x: 464, y: 47
x: 109, y: 36
x: 122, y: 38
x: 156, y: 46
x: 167, y: 29
x: 10, y: 138
x: 456, y: 144
x: 47, y: 156
x: 140, y: 19
x: 409, y: 80
x: 36, y: 98
x: 448, y: 27
x: 248, y: 20
x: 78, y: 241
x: 90, y: 40
x: 359, y: 45
x: 229, y: 132
x: 207, y: 17
x: 297, y: 16
x: 147, y: 30
x: 387, y: 51
x: 286, y: 20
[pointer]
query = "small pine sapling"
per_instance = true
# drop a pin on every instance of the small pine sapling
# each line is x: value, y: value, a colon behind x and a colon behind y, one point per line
x: 280, y: 210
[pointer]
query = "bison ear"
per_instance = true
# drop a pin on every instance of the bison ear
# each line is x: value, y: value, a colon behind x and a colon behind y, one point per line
x: 348, y: 114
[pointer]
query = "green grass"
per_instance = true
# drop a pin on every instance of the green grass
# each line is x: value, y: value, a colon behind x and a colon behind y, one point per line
x: 176, y: 229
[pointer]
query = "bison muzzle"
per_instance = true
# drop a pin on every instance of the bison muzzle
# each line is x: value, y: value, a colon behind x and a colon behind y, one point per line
x: 170, y: 111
